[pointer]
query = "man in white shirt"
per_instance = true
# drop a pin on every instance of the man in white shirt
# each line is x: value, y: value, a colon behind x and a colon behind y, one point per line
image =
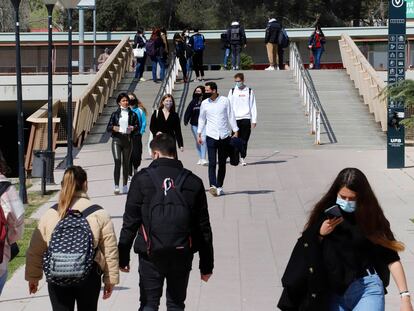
x: 243, y: 103
x: 218, y: 118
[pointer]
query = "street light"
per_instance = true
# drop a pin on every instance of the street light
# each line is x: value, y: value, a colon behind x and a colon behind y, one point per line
x: 69, y: 5
x: 19, y: 104
x: 50, y: 154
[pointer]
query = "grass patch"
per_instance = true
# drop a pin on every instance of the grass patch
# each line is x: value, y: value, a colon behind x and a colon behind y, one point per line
x: 35, y: 200
x: 412, y: 219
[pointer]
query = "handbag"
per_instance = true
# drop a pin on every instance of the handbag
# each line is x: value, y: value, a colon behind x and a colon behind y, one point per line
x: 14, y: 251
x: 138, y: 52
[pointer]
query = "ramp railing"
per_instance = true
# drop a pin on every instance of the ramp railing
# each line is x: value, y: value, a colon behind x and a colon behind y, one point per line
x: 307, y: 91
x: 366, y: 79
x: 86, y: 109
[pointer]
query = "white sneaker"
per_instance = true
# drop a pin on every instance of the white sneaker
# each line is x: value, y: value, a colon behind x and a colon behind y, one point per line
x: 270, y: 68
x: 242, y: 162
x: 116, y: 190
x: 199, y: 162
x: 213, y: 191
x: 220, y: 191
x: 142, y: 79
x: 125, y: 189
x: 204, y: 162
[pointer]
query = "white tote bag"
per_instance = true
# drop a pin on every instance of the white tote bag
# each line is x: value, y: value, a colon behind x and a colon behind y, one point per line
x: 138, y: 52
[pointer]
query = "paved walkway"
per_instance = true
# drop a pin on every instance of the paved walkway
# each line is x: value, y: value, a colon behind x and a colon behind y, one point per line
x: 256, y: 223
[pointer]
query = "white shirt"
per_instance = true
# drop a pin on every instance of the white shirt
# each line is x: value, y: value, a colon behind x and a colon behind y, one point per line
x: 243, y: 104
x: 123, y: 121
x: 217, y: 117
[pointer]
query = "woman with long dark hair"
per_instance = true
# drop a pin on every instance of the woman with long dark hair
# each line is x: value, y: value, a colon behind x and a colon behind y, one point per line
x: 123, y: 125
x: 191, y: 116
x: 179, y: 43
x: 73, y: 198
x: 344, y: 258
x: 155, y: 49
x: 317, y: 45
x: 12, y: 209
x: 166, y: 120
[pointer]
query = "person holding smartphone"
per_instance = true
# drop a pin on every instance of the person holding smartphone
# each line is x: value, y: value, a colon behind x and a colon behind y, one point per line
x: 344, y: 263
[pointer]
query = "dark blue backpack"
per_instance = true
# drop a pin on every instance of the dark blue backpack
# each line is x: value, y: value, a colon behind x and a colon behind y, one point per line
x: 283, y: 40
x: 70, y: 255
x: 198, y: 42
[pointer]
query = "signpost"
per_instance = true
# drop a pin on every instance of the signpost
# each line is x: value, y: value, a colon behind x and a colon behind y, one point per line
x: 396, y: 73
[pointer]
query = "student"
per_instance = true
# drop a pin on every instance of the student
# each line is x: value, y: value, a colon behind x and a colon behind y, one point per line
x: 155, y: 49
x: 180, y: 53
x: 197, y: 43
x: 237, y: 39
x: 139, y: 42
x: 243, y: 103
x: 12, y: 209
x: 166, y: 120
x: 73, y: 198
x: 217, y: 117
x: 225, y: 45
x: 317, y: 45
x: 344, y: 258
x: 191, y: 116
x: 122, y: 124
x: 271, y: 40
x: 157, y: 261
x: 136, y: 137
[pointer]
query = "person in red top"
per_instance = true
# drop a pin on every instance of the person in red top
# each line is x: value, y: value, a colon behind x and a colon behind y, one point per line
x: 316, y: 45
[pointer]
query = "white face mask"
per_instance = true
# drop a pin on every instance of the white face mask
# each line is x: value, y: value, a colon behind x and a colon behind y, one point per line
x: 168, y: 104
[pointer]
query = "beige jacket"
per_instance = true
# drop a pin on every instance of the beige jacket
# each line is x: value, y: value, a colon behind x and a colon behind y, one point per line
x: 103, y: 234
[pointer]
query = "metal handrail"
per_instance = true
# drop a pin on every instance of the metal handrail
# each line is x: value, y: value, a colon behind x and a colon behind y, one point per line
x: 307, y: 91
x: 366, y: 79
x: 167, y: 85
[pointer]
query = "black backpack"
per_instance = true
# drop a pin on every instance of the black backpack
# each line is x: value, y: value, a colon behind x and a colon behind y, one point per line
x: 166, y: 225
x: 235, y: 36
x: 70, y: 255
x: 283, y: 40
x: 150, y: 48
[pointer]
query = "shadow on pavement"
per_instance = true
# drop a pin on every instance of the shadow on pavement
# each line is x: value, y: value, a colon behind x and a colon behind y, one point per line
x: 266, y: 162
x: 249, y: 192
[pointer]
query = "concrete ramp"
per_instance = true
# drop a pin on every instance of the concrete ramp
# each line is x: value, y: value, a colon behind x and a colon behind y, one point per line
x: 352, y: 123
x: 281, y: 120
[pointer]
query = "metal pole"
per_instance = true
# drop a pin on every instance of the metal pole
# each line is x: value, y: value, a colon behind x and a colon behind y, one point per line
x: 19, y: 104
x: 81, y: 40
x: 69, y: 157
x: 94, y: 39
x: 49, y: 154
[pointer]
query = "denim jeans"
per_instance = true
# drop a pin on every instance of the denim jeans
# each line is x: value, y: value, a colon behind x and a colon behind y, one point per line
x: 364, y: 294
x: 140, y: 66
x: 217, y: 148
x: 201, y: 149
x: 317, y: 54
x: 235, y: 56
x: 3, y: 280
x: 155, y: 61
x: 226, y: 56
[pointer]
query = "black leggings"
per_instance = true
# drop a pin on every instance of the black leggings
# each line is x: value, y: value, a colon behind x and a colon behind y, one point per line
x: 245, y: 129
x: 136, y: 154
x: 183, y: 64
x: 121, y: 151
x: 85, y: 294
x: 198, y: 64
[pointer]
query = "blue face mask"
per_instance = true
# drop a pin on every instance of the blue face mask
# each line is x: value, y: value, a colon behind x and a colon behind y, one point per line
x: 346, y: 206
x: 239, y: 84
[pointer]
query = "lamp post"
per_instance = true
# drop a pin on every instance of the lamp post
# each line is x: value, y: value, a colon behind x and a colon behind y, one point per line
x: 49, y: 155
x: 19, y: 106
x: 69, y: 5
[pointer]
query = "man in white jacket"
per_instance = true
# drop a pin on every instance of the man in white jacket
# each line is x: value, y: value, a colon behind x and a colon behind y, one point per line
x: 13, y: 211
x: 243, y: 104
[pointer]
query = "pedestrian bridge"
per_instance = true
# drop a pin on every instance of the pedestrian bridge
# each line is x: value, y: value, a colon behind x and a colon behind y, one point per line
x: 266, y: 204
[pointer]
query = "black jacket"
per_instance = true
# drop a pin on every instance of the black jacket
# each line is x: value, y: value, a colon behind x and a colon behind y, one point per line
x: 139, y: 41
x: 272, y: 32
x: 306, y: 286
x: 242, y: 35
x: 193, y: 112
x: 170, y: 126
x: 132, y: 120
x: 139, y: 198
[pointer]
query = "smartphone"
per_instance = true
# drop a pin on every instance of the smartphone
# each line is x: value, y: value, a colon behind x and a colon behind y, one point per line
x: 333, y: 212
